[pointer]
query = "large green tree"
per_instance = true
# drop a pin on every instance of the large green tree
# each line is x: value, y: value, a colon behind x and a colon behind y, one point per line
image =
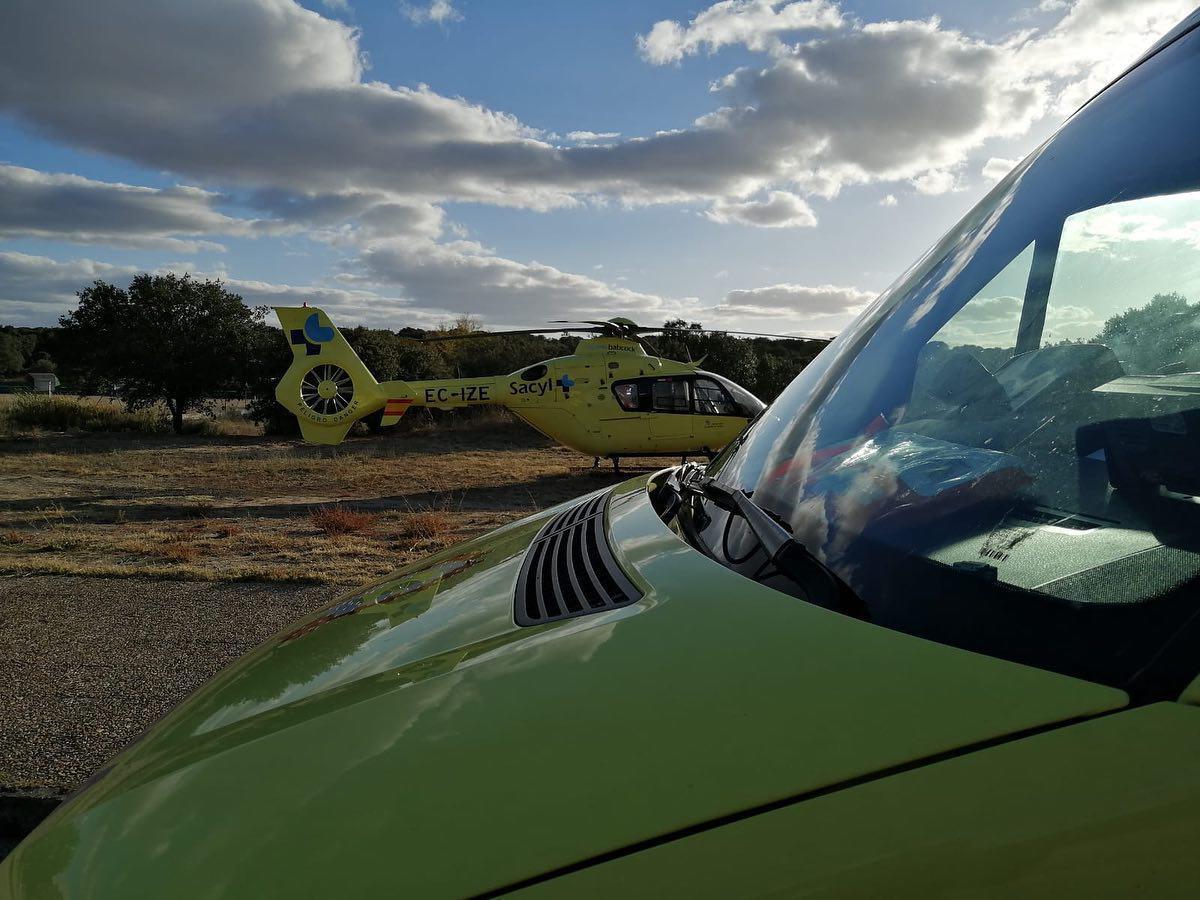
x: 166, y: 339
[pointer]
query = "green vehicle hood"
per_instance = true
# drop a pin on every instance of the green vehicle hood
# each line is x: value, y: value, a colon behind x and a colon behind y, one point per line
x: 412, y: 739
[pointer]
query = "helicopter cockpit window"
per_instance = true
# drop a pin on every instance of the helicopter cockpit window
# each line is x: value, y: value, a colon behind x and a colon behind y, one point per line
x: 1001, y: 453
x: 745, y: 403
x: 534, y: 373
x: 711, y: 399
x: 627, y: 395
x: 671, y: 395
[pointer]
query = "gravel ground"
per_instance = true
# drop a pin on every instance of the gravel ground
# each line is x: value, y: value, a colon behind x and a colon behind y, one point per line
x: 90, y: 663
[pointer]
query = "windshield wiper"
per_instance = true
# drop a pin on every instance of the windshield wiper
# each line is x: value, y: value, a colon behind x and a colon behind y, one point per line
x: 788, y: 556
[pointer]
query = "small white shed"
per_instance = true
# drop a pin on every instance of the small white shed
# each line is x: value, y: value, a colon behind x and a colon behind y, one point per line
x: 44, y: 382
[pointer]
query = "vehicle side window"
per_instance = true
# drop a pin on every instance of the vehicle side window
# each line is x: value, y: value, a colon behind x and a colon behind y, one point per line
x: 711, y: 399
x: 672, y: 395
x: 627, y: 395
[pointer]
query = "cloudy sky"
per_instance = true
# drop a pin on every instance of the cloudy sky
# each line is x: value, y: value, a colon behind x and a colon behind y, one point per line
x: 759, y: 164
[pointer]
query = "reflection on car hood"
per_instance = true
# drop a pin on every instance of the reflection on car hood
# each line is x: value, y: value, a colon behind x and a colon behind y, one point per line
x: 412, y: 739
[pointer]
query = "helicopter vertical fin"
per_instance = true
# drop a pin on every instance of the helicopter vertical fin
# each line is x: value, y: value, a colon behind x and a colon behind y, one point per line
x: 327, y: 387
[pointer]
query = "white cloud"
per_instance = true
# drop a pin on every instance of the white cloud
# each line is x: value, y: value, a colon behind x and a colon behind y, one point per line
x: 262, y: 93
x: 997, y: 167
x: 780, y: 209
x: 755, y: 24
x: 212, y: 56
x: 935, y: 182
x: 593, y: 137
x: 821, y: 300
x: 889, y: 200
x: 1073, y: 323
x: 439, y: 12
x: 820, y: 310
x: 1106, y: 229
x: 355, y: 214
x: 1093, y: 43
x: 347, y: 306
x: 34, y: 289
x: 81, y: 210
x: 889, y: 101
x: 905, y: 100
x: 464, y: 277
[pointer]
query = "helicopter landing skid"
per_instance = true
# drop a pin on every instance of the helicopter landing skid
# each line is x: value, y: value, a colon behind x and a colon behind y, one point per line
x: 683, y: 458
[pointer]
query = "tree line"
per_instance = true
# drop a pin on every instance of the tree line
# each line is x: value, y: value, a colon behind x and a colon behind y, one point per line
x: 182, y: 342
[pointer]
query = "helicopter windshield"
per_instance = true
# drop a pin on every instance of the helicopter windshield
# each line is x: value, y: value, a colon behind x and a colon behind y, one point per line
x: 1001, y: 453
x: 745, y: 403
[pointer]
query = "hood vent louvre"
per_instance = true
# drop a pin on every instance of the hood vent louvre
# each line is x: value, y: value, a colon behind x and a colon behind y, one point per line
x: 569, y: 569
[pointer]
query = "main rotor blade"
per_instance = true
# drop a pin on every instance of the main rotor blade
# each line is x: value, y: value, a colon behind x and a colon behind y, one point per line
x: 593, y: 327
x: 785, y: 337
x: 476, y: 335
x: 620, y: 327
x: 675, y: 332
x: 644, y: 329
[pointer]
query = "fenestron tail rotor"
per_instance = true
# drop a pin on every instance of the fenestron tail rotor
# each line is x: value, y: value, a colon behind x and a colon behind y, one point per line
x: 326, y: 389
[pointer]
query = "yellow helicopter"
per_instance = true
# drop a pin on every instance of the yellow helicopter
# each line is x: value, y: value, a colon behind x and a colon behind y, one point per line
x: 610, y: 398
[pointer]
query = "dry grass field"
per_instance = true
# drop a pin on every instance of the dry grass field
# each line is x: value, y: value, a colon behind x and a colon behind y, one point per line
x: 230, y: 509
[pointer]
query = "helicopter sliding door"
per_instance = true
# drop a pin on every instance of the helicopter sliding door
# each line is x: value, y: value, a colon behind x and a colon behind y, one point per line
x: 684, y: 412
x: 671, y: 409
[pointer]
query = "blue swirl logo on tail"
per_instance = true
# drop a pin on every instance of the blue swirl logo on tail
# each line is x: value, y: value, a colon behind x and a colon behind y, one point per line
x: 312, y: 335
x: 316, y: 332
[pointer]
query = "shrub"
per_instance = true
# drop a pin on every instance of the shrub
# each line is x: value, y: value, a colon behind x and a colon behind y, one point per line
x: 32, y: 412
x: 179, y: 552
x: 337, y: 520
x: 424, y: 525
